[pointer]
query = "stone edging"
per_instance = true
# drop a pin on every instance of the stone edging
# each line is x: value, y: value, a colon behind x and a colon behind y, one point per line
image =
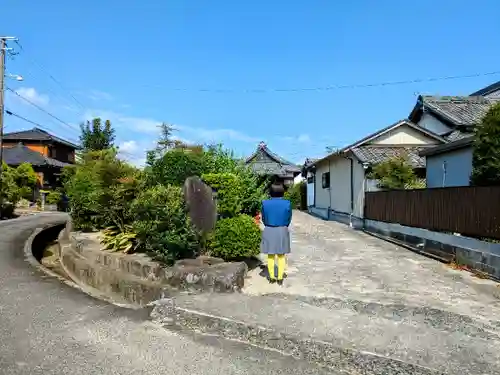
x: 136, y: 279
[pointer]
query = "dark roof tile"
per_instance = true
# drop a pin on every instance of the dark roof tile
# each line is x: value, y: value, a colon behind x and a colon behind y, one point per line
x: 21, y: 154
x: 459, y: 110
x: 378, y: 154
x: 37, y: 134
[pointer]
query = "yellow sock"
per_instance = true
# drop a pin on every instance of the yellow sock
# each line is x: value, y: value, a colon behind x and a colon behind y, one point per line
x: 270, y: 266
x: 281, y: 266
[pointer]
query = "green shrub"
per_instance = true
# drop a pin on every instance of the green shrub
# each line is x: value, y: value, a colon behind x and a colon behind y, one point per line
x: 100, y: 191
x: 162, y: 225
x: 53, y: 197
x: 173, y: 167
x: 236, y: 237
x: 229, y: 189
x: 294, y: 195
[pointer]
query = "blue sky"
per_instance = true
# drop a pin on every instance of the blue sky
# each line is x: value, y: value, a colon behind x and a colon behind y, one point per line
x: 194, y: 64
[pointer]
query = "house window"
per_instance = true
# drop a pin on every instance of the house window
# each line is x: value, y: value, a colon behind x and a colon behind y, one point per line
x: 325, y: 180
x: 310, y: 179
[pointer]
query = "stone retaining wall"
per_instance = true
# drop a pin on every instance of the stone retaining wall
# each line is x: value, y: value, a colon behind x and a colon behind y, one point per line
x: 136, y: 279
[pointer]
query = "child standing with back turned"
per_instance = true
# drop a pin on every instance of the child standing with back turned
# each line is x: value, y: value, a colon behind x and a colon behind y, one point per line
x: 276, y: 215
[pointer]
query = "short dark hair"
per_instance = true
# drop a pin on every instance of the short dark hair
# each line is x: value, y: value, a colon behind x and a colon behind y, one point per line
x: 277, y: 191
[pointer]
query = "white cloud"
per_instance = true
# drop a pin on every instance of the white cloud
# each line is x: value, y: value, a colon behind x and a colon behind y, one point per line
x: 302, y: 138
x: 128, y: 146
x: 98, y: 95
x: 32, y: 95
x: 185, y: 133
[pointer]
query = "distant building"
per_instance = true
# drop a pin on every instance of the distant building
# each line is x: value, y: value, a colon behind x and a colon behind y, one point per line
x: 47, y: 153
x: 266, y: 163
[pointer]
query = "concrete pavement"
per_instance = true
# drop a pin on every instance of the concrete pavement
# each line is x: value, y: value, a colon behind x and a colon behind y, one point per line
x: 47, y: 327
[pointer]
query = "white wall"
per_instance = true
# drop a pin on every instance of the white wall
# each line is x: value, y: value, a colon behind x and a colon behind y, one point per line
x: 322, y: 196
x: 431, y: 123
x: 338, y: 197
x: 404, y: 135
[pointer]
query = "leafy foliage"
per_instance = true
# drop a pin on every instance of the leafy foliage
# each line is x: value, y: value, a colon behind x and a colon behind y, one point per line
x: 394, y: 173
x: 486, y: 154
x: 235, y: 237
x: 116, y: 239
x: 294, y: 195
x: 229, y: 192
x: 162, y: 225
x: 17, y: 183
x: 95, y: 136
x: 53, y: 197
x: 101, y: 190
x: 173, y: 167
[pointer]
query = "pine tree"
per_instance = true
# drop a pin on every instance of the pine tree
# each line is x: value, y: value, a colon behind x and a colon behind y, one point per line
x: 96, y: 137
x: 486, y: 150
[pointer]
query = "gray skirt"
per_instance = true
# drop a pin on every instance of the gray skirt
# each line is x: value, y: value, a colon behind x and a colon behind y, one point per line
x: 275, y: 240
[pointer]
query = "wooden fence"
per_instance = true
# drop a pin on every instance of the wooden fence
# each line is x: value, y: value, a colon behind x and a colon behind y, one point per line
x: 471, y: 211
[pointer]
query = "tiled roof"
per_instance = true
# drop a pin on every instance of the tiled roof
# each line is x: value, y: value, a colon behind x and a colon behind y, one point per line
x: 487, y: 90
x: 455, y: 145
x: 378, y: 154
x: 36, y: 134
x: 458, y: 110
x: 21, y: 154
x: 359, y: 144
x: 455, y: 135
x: 283, y: 164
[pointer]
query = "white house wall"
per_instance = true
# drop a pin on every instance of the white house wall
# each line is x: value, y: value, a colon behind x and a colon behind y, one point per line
x: 431, y: 123
x: 338, y: 196
x: 322, y: 196
x: 404, y: 135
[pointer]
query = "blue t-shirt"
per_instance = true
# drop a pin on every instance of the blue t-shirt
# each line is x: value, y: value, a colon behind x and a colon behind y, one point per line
x: 276, y: 212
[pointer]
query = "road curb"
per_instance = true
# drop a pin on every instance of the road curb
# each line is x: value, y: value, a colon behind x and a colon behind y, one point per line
x: 30, y: 258
x: 168, y: 314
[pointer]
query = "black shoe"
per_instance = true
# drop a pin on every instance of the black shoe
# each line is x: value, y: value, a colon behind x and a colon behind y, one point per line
x: 272, y: 281
x: 280, y: 282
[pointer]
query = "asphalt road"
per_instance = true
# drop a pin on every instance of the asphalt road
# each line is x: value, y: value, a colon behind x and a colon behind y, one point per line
x: 47, y: 327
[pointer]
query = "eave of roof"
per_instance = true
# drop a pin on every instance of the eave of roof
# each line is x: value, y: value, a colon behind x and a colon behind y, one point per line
x: 20, y: 154
x: 457, y: 111
x: 37, y: 134
x: 487, y: 90
x: 456, y: 145
x: 286, y: 165
x: 379, y: 133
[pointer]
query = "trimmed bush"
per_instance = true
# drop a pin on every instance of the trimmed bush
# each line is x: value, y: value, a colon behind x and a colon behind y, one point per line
x: 53, y: 197
x: 162, y: 226
x: 236, y: 237
x: 229, y: 192
x: 294, y: 195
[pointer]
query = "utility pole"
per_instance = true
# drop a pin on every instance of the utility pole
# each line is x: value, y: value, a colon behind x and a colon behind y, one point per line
x: 3, y: 53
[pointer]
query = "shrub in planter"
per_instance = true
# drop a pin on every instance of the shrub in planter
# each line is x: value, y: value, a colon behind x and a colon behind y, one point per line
x: 236, y: 237
x: 162, y: 226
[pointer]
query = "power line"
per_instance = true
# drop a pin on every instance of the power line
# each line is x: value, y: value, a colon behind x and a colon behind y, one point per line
x: 343, y: 87
x: 10, y: 113
x: 33, y: 61
x: 41, y: 109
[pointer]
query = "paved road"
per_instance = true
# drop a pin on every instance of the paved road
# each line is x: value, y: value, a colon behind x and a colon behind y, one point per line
x: 49, y: 328
x: 329, y: 259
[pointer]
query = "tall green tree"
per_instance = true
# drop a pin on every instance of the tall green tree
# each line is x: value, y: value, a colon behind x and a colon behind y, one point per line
x: 486, y: 150
x: 394, y: 173
x: 97, y: 136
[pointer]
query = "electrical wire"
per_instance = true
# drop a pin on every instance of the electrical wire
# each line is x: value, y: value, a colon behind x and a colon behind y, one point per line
x: 343, y: 87
x: 41, y: 67
x: 10, y: 113
x: 72, y: 127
